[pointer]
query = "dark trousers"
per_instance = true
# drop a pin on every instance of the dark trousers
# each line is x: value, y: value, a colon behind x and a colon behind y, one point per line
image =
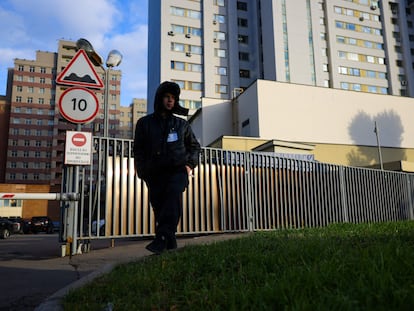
x: 166, y: 197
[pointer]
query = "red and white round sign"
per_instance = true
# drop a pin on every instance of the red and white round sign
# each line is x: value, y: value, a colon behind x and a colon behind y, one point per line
x: 79, y: 140
x: 78, y: 105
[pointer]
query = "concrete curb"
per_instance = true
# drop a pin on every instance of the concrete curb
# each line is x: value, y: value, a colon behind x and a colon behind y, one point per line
x: 53, y: 303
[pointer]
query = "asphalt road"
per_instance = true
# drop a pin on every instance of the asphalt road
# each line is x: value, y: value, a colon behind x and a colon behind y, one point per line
x: 32, y: 269
x: 34, y: 276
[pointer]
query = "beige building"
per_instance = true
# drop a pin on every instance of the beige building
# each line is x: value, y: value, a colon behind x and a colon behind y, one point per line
x: 215, y: 49
x: 129, y: 117
x: 334, y: 126
x: 36, y: 133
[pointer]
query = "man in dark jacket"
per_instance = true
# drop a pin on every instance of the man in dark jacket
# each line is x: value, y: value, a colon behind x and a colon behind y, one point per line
x: 165, y: 153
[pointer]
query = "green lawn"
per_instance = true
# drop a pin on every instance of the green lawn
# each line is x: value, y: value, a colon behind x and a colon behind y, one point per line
x: 339, y: 267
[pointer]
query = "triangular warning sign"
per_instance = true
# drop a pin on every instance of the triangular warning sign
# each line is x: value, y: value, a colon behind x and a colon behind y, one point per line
x: 80, y: 71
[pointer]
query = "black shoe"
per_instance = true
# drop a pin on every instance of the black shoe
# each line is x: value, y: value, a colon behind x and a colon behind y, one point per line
x: 171, y: 243
x: 157, y: 246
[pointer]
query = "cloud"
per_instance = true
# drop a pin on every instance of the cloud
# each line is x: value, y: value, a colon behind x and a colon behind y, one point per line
x: 27, y: 26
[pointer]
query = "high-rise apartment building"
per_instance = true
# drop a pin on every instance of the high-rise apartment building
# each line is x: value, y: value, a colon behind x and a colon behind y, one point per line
x: 129, y: 117
x: 215, y: 49
x: 36, y: 131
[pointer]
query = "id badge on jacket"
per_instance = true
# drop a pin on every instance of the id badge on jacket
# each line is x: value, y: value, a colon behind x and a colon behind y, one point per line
x: 172, y: 136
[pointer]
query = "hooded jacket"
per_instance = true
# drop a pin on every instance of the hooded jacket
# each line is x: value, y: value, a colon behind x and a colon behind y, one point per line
x: 163, y: 142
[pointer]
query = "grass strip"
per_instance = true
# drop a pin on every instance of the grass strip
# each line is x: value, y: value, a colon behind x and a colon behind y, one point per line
x: 338, y: 267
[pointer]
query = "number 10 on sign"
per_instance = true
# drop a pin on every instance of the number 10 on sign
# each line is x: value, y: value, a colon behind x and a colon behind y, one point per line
x: 78, y: 105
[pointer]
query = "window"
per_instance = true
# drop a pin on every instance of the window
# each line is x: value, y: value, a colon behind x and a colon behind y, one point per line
x: 41, y: 90
x: 42, y: 70
x: 30, y: 89
x: 220, y: 88
x: 195, y: 67
x: 18, y: 99
x: 222, y: 71
x: 344, y: 85
x: 219, y: 2
x: 31, y: 79
x: 19, y: 88
x: 177, y: 11
x: 243, y: 39
x: 42, y: 80
x: 177, y: 28
x: 41, y: 101
x: 220, y: 53
x: 242, y: 22
x: 20, y: 68
x: 195, y: 86
x: 241, y: 6
x: 177, y: 47
x: 30, y: 100
x: 220, y: 35
x: 243, y: 73
x: 195, y: 49
x: 177, y: 65
x: 244, y: 56
x: 32, y: 69
x: 221, y: 19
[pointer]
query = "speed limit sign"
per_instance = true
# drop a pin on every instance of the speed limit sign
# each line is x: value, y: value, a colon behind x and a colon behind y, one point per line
x: 78, y: 105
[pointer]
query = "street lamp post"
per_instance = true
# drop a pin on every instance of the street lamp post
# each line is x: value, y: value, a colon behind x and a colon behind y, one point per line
x: 113, y: 60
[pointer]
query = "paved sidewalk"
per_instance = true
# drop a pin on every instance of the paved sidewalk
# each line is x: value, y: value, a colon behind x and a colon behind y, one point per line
x: 86, y: 267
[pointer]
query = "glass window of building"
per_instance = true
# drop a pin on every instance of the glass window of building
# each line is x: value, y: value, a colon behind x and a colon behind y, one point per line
x: 242, y: 22
x: 220, y: 53
x: 32, y: 69
x: 244, y: 56
x: 219, y: 2
x: 221, y: 19
x: 195, y: 86
x: 241, y: 6
x: 243, y: 39
x: 195, y: 49
x: 243, y: 73
x: 177, y: 11
x: 220, y: 35
x: 177, y: 47
x: 222, y: 71
x: 178, y: 28
x: 221, y: 89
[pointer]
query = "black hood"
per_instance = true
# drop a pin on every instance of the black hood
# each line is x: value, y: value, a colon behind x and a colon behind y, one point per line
x: 174, y: 89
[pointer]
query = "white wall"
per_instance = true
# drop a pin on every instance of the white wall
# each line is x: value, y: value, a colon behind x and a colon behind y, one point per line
x: 214, y: 120
x: 320, y: 115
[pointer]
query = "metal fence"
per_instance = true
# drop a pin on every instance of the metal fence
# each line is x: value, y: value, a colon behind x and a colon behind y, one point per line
x: 230, y: 192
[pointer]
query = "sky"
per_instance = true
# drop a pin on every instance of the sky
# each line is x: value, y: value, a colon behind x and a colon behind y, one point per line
x: 27, y: 26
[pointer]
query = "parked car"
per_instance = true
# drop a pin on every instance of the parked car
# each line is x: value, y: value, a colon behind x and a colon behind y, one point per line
x: 19, y: 223
x: 41, y: 224
x: 7, y: 227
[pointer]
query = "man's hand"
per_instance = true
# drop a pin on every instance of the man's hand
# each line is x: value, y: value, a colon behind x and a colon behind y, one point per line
x: 189, y: 171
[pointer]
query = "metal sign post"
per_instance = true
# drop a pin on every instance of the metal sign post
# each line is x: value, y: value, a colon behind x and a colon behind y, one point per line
x: 77, y: 105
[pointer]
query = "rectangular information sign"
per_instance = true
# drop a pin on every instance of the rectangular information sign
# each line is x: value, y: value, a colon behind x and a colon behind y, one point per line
x: 78, y: 148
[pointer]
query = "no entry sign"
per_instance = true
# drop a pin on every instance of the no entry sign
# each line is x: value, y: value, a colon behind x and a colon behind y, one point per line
x: 78, y: 149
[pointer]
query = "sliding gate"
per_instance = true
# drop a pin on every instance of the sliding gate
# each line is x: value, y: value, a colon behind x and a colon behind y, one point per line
x: 229, y: 192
